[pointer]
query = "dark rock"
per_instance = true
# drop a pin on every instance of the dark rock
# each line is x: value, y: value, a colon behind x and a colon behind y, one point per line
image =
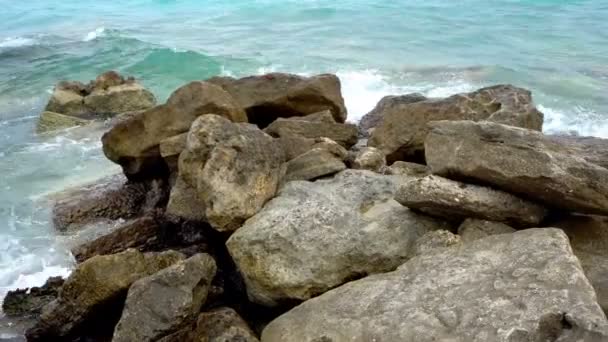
x: 223, y: 325
x: 29, y: 302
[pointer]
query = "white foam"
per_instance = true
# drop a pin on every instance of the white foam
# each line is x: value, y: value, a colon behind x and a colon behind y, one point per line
x: 578, y: 120
x: 13, y: 42
x: 98, y: 32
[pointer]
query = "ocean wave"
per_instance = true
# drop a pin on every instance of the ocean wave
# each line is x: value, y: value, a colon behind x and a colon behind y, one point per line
x: 98, y: 32
x: 15, y: 42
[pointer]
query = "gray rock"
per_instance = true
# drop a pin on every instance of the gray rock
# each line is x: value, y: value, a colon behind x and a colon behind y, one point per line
x: 343, y: 134
x: 526, y: 286
x: 401, y: 133
x: 315, y: 236
x: 592, y: 149
x: 185, y: 203
x: 234, y: 167
x: 166, y: 301
x: 313, y: 164
x: 171, y: 148
x: 519, y: 161
x: 434, y: 241
x: 372, y: 119
x: 475, y: 229
x: 268, y: 97
x: 455, y: 201
x: 368, y: 158
x: 401, y: 168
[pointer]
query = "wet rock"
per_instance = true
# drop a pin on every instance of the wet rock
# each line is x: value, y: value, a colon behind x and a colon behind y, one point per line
x: 401, y: 133
x: 268, y: 97
x: 519, y: 161
x: 235, y: 168
x: 525, y: 286
x: 368, y: 158
x: 434, y: 240
x: 134, y: 143
x: 91, y: 297
x: 315, y: 236
x: 372, y: 119
x: 51, y: 121
x: 475, y: 229
x: 29, y: 302
x: 343, y: 134
x: 166, y: 301
x: 455, y: 201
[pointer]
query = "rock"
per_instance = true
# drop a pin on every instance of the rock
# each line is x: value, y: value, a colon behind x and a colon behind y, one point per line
x: 171, y: 148
x: 29, y: 302
x: 368, y: 158
x: 223, y: 325
x: 434, y: 240
x: 51, y: 121
x: 110, y: 198
x: 234, y: 167
x: 313, y: 164
x: 134, y: 143
x: 166, y: 301
x: 295, y: 145
x: 525, y: 286
x: 65, y: 100
x: 475, y: 229
x: 401, y: 168
x: 401, y: 134
x: 372, y: 119
x: 268, y: 97
x: 519, y: 161
x: 119, y: 98
x: 453, y: 200
x: 343, y: 134
x: 323, y: 116
x: 589, y: 240
x: 592, y: 149
x: 140, y: 232
x: 94, y: 291
x: 185, y: 203
x: 315, y: 236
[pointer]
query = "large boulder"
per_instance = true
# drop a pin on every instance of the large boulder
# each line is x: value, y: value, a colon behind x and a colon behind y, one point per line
x: 343, y: 134
x: 526, y: 286
x: 589, y: 240
x: 372, y: 119
x: 592, y: 149
x: 402, y: 131
x: 519, y: 161
x: 234, y: 167
x: 475, y: 229
x: 315, y: 236
x: 134, y: 142
x: 453, y: 200
x: 317, y: 162
x: 29, y: 302
x: 51, y: 121
x: 268, y: 97
x: 96, y: 290
x: 367, y: 158
x: 167, y: 301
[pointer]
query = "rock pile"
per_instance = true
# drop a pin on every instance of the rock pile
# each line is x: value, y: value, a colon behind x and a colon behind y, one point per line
x: 255, y: 214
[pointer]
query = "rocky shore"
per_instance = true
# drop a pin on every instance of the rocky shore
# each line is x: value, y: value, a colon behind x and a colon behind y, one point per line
x: 254, y: 211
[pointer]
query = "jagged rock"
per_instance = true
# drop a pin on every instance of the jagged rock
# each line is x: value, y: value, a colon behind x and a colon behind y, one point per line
x: 92, y: 294
x: 368, y: 158
x: 235, y: 168
x: 589, y: 240
x: 343, y: 134
x: 109, y: 198
x: 401, y: 133
x: 51, y: 121
x: 525, y: 286
x: 475, y: 229
x: 372, y: 119
x: 434, y: 240
x: 134, y: 143
x: 223, y: 325
x: 455, y: 201
x: 592, y: 149
x: 126, y: 97
x: 268, y: 97
x: 68, y: 99
x: 519, y: 161
x: 29, y: 302
x: 402, y: 168
x: 184, y: 202
x: 315, y: 236
x: 166, y: 301
x: 313, y: 164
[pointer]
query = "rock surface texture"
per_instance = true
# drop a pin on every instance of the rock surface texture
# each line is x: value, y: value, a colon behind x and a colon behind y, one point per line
x: 343, y: 134
x: 475, y: 229
x: 526, y: 286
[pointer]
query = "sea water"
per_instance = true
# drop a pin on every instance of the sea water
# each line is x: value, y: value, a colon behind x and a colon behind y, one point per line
x: 556, y: 48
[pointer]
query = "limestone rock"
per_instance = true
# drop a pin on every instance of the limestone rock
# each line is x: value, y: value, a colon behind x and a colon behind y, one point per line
x: 453, y: 200
x: 92, y: 290
x: 592, y: 149
x: 223, y: 325
x: 234, y: 167
x: 313, y: 164
x: 401, y: 134
x: 268, y: 97
x: 343, y: 134
x: 29, y: 302
x: 434, y: 240
x: 126, y: 97
x: 475, y: 229
x: 66, y: 101
x: 51, y: 121
x: 315, y: 236
x: 525, y: 286
x: 368, y: 158
x: 166, y: 301
x: 519, y: 161
x: 134, y: 143
x: 401, y: 168
x: 171, y: 148
x: 372, y: 119
x: 185, y: 203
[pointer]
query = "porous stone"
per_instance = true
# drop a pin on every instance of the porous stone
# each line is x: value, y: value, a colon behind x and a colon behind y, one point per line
x: 368, y: 158
x: 51, y: 121
x: 372, y: 119
x: 435, y: 240
x: 475, y: 229
x: 343, y: 134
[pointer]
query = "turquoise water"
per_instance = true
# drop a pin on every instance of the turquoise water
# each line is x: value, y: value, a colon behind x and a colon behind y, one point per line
x: 558, y: 49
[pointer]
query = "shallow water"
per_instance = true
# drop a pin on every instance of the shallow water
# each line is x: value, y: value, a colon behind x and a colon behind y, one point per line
x: 555, y: 48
